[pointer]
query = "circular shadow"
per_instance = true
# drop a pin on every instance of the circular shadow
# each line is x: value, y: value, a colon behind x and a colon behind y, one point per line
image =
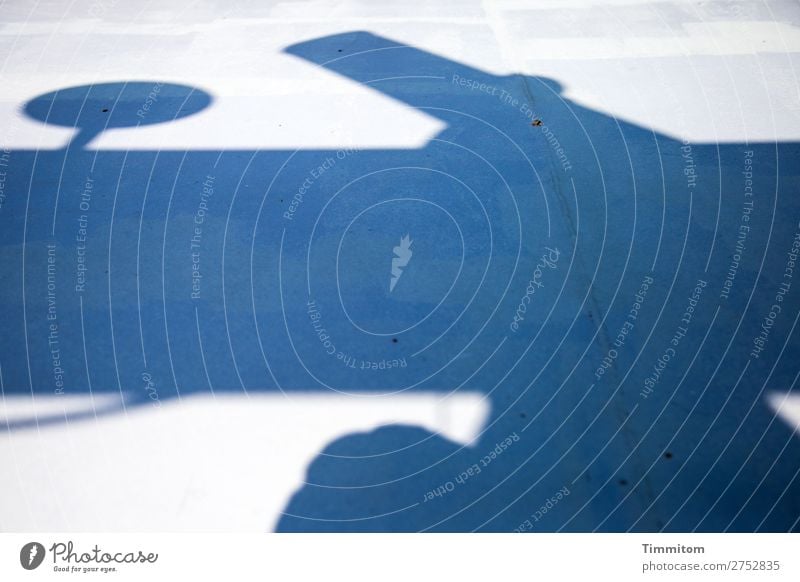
x: 94, y: 108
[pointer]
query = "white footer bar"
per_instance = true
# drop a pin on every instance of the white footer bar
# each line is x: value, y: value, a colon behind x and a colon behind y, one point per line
x: 399, y: 557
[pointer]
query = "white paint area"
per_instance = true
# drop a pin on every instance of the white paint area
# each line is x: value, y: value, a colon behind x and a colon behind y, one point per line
x: 700, y: 71
x: 229, y: 463
x: 635, y: 60
x: 787, y: 406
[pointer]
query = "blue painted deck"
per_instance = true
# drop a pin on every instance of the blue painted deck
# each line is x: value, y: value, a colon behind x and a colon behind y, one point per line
x: 624, y: 302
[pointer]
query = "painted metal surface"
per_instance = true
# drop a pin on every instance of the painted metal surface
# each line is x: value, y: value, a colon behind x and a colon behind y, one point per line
x: 463, y: 291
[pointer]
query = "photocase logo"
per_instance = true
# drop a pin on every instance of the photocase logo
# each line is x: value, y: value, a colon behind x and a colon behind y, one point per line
x: 402, y: 256
x: 31, y: 555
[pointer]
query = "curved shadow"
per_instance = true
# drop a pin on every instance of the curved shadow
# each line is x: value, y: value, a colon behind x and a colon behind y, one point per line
x: 361, y: 483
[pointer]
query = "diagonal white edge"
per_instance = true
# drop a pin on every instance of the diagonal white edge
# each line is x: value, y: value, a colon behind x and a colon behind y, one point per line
x: 787, y: 406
